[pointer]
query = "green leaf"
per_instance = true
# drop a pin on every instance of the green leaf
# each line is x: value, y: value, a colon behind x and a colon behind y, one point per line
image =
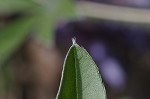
x: 12, y: 36
x: 12, y: 6
x: 80, y: 78
x: 52, y: 12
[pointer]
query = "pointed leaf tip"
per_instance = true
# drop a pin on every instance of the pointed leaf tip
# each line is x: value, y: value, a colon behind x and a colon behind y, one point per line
x: 80, y: 79
x: 74, y: 41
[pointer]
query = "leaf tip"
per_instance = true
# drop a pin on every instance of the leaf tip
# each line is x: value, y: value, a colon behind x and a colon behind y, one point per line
x: 74, y: 41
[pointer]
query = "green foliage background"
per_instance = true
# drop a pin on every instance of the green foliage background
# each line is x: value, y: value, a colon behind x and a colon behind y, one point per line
x: 39, y: 17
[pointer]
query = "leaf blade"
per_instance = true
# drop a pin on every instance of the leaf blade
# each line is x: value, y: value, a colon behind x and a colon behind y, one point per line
x: 67, y: 74
x: 90, y: 80
x: 88, y: 83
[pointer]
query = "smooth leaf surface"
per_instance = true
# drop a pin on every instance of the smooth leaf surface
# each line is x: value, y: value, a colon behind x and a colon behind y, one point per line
x: 80, y: 77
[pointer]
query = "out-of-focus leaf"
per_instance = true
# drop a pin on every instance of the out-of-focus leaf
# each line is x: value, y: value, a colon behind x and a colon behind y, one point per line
x: 12, y: 6
x: 47, y: 12
x: 52, y: 12
x: 80, y: 79
x: 13, y: 35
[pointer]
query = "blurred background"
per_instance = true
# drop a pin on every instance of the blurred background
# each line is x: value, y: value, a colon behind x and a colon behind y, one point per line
x: 35, y: 36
